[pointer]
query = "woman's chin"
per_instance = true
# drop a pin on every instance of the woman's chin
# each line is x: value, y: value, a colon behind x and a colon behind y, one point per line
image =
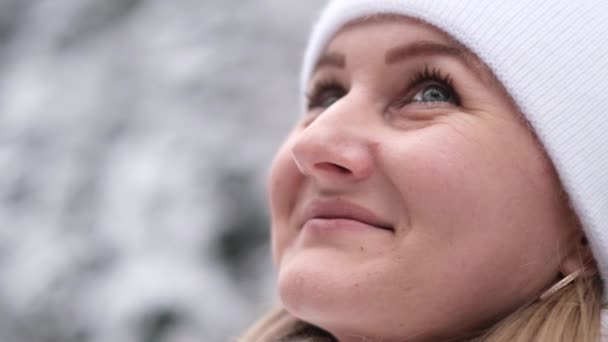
x: 331, y: 289
x: 312, y: 282
x: 324, y: 288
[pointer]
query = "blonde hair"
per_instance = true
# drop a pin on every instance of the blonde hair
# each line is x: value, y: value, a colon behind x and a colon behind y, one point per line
x: 571, y: 314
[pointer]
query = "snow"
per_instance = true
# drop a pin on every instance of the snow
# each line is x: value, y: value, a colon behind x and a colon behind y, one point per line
x: 135, y: 137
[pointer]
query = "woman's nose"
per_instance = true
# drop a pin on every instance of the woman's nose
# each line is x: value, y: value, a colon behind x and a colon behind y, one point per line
x: 334, y: 152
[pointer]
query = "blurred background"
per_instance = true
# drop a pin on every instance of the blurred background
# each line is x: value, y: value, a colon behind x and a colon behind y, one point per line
x: 135, y: 137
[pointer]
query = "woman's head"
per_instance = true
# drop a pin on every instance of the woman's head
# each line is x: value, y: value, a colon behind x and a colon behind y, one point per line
x: 412, y: 200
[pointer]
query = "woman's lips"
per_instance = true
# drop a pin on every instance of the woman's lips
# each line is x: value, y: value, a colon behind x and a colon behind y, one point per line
x: 337, y: 214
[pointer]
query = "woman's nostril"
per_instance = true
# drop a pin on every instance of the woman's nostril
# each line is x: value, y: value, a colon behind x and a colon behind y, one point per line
x: 332, y: 168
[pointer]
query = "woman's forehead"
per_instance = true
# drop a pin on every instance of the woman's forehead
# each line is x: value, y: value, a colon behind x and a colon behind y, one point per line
x: 410, y: 23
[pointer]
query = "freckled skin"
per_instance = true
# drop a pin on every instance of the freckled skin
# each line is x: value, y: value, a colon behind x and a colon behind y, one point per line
x: 480, y: 223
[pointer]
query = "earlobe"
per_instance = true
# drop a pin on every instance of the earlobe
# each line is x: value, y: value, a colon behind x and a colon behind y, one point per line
x: 577, y: 263
x: 579, y: 257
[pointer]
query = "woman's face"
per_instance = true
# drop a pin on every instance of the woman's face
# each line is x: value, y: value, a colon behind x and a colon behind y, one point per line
x: 410, y: 202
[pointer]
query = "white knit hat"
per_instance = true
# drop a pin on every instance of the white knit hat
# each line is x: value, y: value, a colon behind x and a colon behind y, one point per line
x: 551, y: 56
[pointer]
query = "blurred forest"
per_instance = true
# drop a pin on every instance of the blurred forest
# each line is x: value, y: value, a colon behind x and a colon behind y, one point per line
x: 135, y: 137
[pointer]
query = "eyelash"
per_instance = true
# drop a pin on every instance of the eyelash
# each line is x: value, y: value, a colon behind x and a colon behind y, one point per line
x: 425, y: 76
x: 315, y: 98
x: 421, y: 77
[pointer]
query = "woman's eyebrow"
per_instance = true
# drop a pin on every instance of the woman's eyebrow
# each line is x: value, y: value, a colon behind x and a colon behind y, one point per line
x: 420, y: 48
x: 331, y: 59
x: 423, y: 48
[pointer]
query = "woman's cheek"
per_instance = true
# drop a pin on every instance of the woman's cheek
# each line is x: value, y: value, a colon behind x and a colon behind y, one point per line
x: 435, y: 178
x: 284, y: 184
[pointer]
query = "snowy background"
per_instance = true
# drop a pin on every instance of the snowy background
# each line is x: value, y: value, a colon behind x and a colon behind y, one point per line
x: 135, y: 137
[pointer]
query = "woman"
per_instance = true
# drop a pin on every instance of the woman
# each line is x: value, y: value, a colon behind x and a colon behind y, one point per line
x: 447, y: 181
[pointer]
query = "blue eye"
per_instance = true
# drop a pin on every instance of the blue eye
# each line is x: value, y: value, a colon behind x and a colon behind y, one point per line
x: 430, y: 86
x: 329, y: 98
x: 434, y: 93
x: 325, y: 94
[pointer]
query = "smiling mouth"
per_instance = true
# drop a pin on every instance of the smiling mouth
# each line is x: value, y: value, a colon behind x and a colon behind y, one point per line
x: 339, y: 213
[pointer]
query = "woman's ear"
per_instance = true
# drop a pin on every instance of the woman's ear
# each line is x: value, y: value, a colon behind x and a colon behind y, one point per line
x: 578, y: 256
